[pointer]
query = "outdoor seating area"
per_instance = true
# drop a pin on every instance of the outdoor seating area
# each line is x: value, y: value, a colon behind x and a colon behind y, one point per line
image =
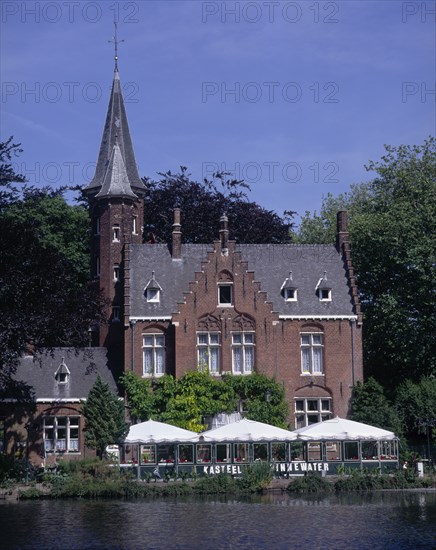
x: 322, y: 447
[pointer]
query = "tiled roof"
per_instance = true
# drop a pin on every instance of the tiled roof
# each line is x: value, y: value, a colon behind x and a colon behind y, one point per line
x: 116, y: 129
x: 271, y: 265
x: 35, y: 375
x: 173, y: 276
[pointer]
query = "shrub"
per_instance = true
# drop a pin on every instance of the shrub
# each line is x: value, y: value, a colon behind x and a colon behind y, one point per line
x: 311, y: 483
x: 256, y: 477
x: 218, y: 484
x: 30, y: 494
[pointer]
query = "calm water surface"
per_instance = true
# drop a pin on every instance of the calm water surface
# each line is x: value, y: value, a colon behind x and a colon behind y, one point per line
x: 376, y: 520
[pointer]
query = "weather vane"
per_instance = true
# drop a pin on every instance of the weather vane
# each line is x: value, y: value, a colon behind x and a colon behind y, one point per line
x: 115, y: 41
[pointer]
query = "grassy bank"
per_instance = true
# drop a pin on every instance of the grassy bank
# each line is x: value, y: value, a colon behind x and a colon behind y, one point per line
x: 360, y: 480
x: 95, y: 479
x: 91, y: 479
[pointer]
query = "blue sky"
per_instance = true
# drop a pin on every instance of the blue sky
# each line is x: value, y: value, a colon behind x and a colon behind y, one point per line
x: 294, y: 96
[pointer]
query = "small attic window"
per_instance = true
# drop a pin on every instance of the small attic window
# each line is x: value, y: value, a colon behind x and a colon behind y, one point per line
x: 62, y: 374
x: 325, y: 295
x: 153, y: 295
x: 289, y: 289
x: 290, y: 294
x: 153, y: 290
x: 324, y: 289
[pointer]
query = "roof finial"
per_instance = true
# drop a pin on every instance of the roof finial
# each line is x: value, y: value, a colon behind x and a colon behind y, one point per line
x: 115, y: 41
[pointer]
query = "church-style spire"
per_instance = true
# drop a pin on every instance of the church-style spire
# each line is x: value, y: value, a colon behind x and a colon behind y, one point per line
x: 116, y: 131
x: 116, y: 181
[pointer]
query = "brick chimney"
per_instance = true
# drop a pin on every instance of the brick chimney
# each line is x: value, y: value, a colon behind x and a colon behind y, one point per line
x: 224, y: 234
x: 342, y: 235
x: 177, y: 236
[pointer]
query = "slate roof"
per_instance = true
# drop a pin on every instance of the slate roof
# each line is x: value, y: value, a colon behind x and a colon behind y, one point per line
x: 35, y: 375
x: 271, y: 264
x: 173, y: 276
x: 116, y: 181
x: 116, y: 129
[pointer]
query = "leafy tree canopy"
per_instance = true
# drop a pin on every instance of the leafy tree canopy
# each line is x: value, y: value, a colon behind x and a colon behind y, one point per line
x: 391, y: 223
x: 45, y: 296
x: 57, y: 225
x: 370, y: 406
x: 8, y: 176
x: 187, y: 401
x: 416, y: 404
x: 104, y: 418
x: 202, y: 205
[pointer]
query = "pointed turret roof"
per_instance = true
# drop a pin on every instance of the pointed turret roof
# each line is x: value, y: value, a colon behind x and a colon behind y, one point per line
x: 116, y: 181
x: 116, y: 135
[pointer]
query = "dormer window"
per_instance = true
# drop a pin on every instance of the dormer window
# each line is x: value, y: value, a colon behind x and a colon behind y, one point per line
x: 325, y: 294
x: 324, y: 289
x: 290, y: 294
x: 116, y: 233
x: 62, y: 374
x: 153, y: 295
x: 289, y: 289
x: 153, y: 290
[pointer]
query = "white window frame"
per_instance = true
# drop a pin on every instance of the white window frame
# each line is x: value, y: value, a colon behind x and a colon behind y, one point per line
x: 153, y: 295
x: 67, y: 444
x: 153, y: 350
x: 116, y: 233
x: 246, y: 348
x: 209, y: 350
x: 225, y: 304
x: 311, y: 347
x: 312, y: 407
x: 290, y: 294
x: 116, y: 273
x: 325, y: 297
x: 135, y: 225
x: 62, y: 377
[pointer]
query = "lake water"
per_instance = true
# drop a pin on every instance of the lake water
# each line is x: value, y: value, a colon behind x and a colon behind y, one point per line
x: 371, y: 521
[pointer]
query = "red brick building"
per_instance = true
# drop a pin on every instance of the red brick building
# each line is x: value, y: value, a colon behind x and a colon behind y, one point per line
x: 288, y: 311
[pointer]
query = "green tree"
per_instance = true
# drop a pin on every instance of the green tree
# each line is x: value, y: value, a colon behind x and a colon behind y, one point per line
x: 262, y: 398
x: 104, y: 418
x: 416, y: 404
x: 45, y: 296
x: 186, y: 401
x: 46, y: 299
x: 203, y: 204
x: 391, y: 228
x: 57, y: 224
x: 8, y: 176
x: 198, y: 395
x: 370, y: 406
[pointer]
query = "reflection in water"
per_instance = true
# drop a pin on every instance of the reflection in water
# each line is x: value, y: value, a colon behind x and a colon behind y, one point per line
x: 374, y: 520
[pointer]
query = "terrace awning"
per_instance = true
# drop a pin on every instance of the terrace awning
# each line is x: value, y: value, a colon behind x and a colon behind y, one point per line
x: 246, y: 430
x: 342, y: 429
x: 157, y: 432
